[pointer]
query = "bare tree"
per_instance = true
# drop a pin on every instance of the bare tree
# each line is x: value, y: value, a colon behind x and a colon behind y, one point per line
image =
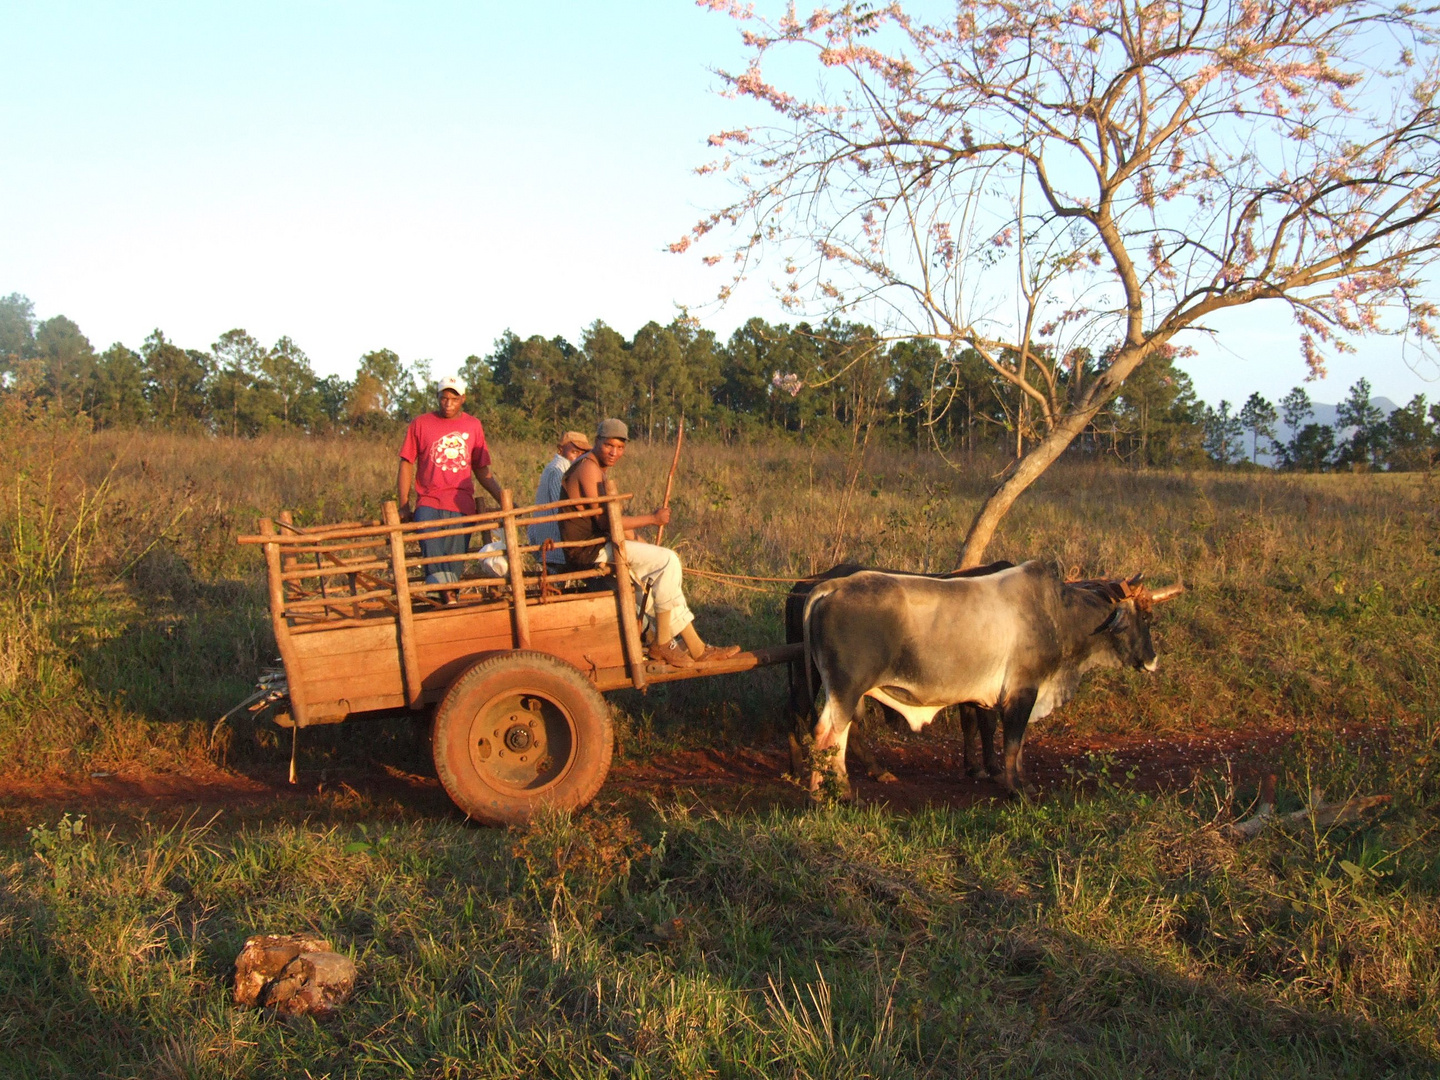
x: 1026, y: 179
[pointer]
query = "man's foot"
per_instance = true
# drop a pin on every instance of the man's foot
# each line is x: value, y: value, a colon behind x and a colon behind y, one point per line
x: 672, y: 653
x: 717, y: 652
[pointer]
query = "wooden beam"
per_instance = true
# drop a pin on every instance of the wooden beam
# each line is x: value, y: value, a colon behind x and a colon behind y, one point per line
x: 625, y: 593
x: 404, y: 617
x: 516, y: 560
x: 294, y: 673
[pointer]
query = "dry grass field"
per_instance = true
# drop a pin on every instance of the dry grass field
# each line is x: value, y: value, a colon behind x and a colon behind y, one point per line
x: 1110, y: 927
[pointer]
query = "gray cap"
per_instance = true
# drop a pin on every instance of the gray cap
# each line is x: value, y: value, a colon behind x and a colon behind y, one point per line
x: 612, y: 429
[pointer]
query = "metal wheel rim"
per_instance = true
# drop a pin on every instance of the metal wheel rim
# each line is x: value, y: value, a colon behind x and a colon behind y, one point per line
x: 522, y: 742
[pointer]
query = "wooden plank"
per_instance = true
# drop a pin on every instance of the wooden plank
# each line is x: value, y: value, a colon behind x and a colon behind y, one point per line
x: 516, y: 562
x: 583, y: 632
x: 409, y: 659
x: 352, y: 662
x: 625, y: 593
x: 377, y: 635
x: 334, y: 711
x: 617, y: 678
x: 367, y: 617
x: 294, y: 672
x: 354, y: 682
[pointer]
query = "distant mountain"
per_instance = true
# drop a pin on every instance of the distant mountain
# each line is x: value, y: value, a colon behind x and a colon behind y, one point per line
x: 1323, y: 414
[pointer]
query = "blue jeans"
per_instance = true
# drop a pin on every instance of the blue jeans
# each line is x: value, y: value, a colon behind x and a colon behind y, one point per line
x: 442, y: 573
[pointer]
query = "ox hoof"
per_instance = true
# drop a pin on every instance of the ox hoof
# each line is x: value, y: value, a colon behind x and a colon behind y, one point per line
x: 978, y: 772
x: 885, y: 776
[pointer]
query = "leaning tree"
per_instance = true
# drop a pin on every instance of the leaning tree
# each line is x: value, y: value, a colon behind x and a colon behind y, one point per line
x: 1046, y: 182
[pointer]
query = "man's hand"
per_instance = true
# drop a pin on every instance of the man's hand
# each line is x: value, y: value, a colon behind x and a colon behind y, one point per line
x: 406, y: 514
x: 661, y: 516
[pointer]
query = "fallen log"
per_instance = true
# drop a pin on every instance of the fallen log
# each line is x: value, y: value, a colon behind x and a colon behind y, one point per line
x: 1319, y: 812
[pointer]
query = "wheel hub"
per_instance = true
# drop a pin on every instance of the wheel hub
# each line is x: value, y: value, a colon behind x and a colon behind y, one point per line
x: 518, y: 738
x: 510, y: 742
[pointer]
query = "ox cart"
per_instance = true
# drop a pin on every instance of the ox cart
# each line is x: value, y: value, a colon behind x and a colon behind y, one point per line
x: 514, y: 668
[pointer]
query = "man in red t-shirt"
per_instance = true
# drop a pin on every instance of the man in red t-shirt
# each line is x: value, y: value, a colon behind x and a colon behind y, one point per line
x: 441, y: 450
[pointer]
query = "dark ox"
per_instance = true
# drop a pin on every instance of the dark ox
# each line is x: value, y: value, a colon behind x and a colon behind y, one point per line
x: 1017, y: 641
x: 977, y: 725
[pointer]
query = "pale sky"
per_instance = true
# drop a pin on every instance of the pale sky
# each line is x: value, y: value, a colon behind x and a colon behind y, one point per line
x: 417, y: 176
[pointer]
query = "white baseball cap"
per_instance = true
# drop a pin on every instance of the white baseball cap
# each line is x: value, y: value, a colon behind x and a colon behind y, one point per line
x: 453, y: 382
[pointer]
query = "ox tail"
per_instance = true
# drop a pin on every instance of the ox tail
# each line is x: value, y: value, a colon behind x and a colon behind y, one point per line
x: 807, y: 635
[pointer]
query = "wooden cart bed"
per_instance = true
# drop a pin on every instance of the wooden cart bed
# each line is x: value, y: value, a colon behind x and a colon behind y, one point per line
x: 360, y: 632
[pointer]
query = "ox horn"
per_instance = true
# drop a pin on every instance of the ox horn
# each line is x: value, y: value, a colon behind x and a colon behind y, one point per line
x: 1169, y: 592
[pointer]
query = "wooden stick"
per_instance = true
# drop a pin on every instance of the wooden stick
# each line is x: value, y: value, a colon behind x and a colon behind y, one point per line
x: 516, y: 562
x: 295, y: 677
x: 286, y: 521
x: 405, y: 617
x: 625, y: 594
x: 669, y: 480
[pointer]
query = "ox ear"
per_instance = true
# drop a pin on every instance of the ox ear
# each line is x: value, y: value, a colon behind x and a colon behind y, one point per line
x: 1117, y: 614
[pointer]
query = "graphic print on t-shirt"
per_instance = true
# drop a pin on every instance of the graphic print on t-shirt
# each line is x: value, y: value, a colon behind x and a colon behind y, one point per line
x: 451, y: 453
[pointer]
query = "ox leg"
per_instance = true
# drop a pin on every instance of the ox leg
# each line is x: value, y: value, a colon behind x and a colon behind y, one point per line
x: 869, y: 717
x: 977, y: 726
x: 832, y: 732
x: 800, y: 699
x: 1016, y: 719
x: 988, y: 720
x: 800, y: 706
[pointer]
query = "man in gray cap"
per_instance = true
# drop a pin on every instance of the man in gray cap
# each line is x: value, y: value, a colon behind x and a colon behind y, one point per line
x: 656, y: 568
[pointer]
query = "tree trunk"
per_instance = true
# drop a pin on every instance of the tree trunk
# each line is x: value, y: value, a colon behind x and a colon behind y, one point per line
x: 1027, y: 471
x: 1043, y: 454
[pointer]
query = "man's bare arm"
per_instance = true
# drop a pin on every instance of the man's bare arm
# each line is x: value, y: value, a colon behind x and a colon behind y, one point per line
x: 589, y: 477
x: 488, y: 482
x: 404, y: 479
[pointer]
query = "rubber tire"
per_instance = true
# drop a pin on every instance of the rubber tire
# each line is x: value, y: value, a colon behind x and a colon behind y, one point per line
x: 541, y: 675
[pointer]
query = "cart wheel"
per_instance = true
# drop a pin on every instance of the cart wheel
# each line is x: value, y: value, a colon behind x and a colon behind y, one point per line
x: 518, y: 731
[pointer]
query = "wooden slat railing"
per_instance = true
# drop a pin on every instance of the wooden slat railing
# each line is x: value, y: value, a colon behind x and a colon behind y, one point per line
x: 372, y: 566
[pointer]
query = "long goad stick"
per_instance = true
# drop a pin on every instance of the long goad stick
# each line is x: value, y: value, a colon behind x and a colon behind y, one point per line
x: 670, y: 480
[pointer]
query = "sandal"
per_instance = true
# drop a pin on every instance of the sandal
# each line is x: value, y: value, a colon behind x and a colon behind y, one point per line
x: 672, y: 653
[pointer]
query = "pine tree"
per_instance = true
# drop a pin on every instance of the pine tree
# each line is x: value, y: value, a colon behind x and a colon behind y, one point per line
x: 1223, y: 434
x: 1259, y: 417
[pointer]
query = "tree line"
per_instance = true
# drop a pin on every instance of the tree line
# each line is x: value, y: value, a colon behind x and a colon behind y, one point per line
x: 1362, y: 437
x: 833, y: 383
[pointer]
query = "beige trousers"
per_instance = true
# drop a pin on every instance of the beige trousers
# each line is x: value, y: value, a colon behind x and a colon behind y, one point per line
x: 658, y: 572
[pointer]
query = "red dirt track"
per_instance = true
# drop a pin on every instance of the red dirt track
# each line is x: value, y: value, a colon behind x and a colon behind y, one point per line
x: 929, y: 772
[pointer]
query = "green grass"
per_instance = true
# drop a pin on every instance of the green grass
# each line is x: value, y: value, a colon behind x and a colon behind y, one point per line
x: 1100, y: 932
x: 1079, y: 937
